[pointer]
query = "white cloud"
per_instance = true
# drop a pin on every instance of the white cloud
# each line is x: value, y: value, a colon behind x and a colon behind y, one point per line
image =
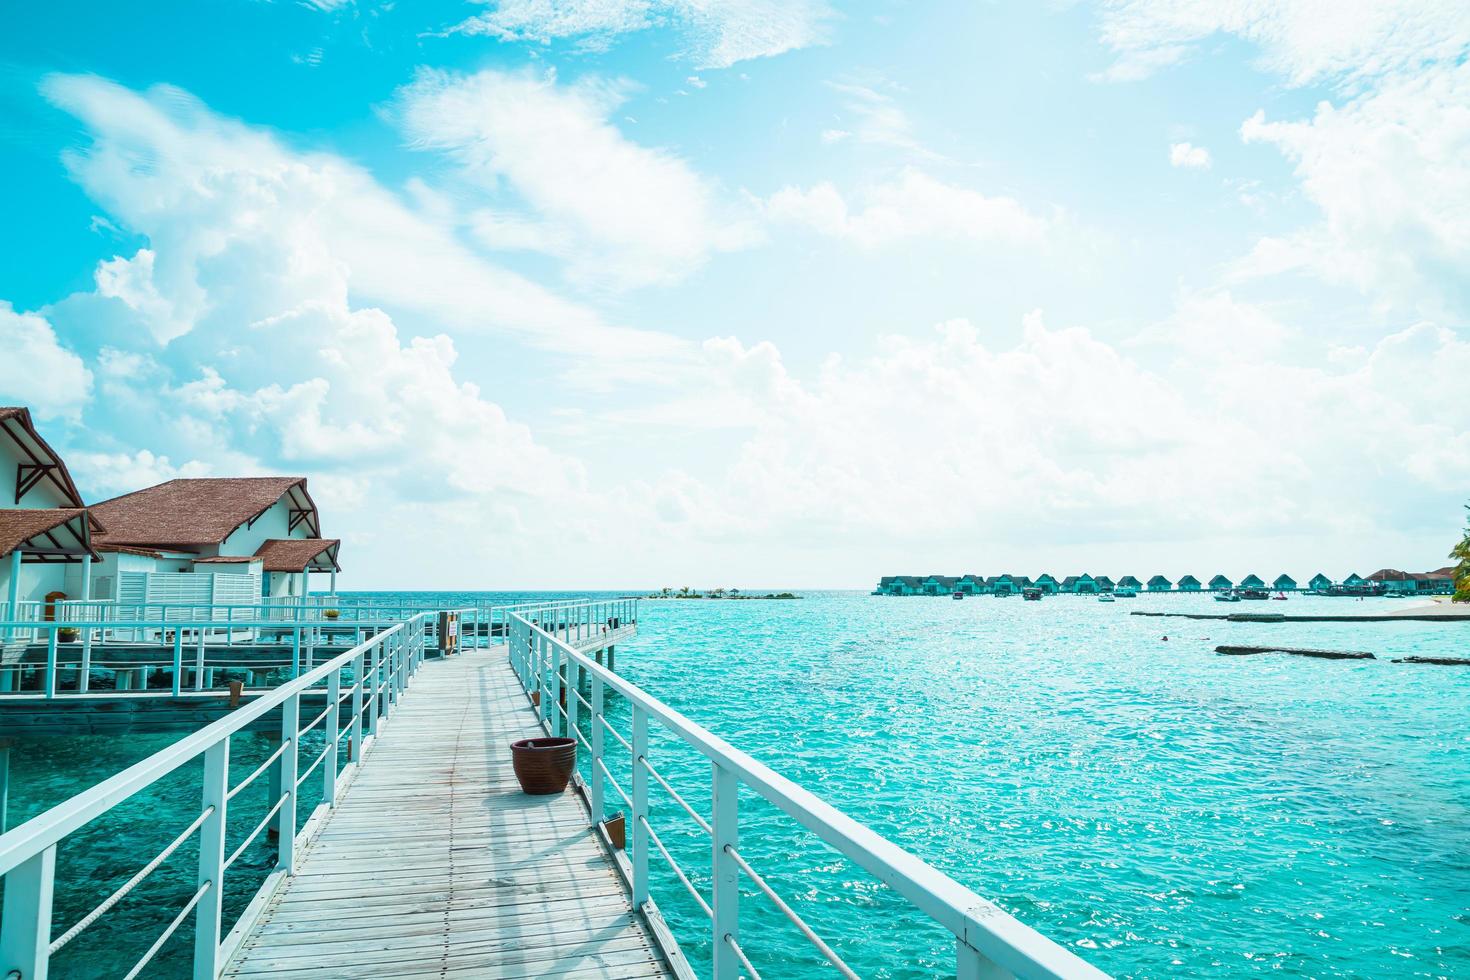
x: 1390, y: 171
x: 242, y: 226
x: 876, y: 119
x: 1305, y: 40
x: 1063, y: 439
x: 719, y: 33
x: 1189, y: 155
x: 36, y: 371
x: 911, y: 206
x: 624, y: 214
x: 108, y: 474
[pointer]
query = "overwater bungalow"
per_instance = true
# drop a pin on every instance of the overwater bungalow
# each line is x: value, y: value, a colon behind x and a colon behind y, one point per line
x: 1047, y: 584
x: 1082, y: 584
x: 212, y: 541
x: 1319, y: 583
x: 1104, y: 584
x: 970, y: 584
x: 1220, y: 584
x: 45, y: 529
x: 1354, y: 581
x: 1001, y: 585
x: 1189, y: 583
x: 1159, y: 584
x: 938, y: 585
x: 1439, y: 582
x: 1284, y: 583
x: 1252, y: 582
x: 1129, y: 582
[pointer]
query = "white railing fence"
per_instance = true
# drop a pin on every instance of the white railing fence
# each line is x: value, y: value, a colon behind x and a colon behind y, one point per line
x: 358, y: 691
x: 988, y: 942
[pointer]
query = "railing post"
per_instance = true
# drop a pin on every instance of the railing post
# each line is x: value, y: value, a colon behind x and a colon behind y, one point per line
x: 557, y: 690
x: 574, y: 691
x: 329, y: 764
x: 51, y: 661
x: 199, y: 661
x: 286, y: 819
x: 295, y: 652
x: 178, y: 685
x: 639, y: 816
x: 373, y: 654
x: 354, y: 742
x: 544, y: 681
x: 726, y: 887
x: 25, y: 920
x: 212, y: 861
x: 970, y: 965
x: 595, y: 770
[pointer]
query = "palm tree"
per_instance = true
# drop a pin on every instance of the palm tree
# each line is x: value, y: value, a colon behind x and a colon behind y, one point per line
x: 1462, y: 570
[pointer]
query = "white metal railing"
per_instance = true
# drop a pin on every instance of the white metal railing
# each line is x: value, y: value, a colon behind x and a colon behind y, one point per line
x: 988, y: 941
x: 46, y: 652
x: 361, y: 688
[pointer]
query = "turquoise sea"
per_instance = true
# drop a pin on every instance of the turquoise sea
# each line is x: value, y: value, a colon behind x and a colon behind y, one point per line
x: 1162, y: 810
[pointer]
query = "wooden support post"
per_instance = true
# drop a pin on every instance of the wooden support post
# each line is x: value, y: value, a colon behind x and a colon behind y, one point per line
x: 598, y: 747
x: 329, y: 762
x: 5, y: 744
x: 84, y: 679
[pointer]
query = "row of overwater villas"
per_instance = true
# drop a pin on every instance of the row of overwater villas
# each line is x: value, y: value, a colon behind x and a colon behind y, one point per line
x: 209, y: 542
x: 1440, y: 582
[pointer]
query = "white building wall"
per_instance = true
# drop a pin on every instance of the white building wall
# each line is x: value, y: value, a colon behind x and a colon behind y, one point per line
x: 36, y: 579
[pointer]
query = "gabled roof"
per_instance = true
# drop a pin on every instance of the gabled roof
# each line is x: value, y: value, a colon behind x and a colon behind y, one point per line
x: 298, y: 554
x: 200, y: 512
x: 1188, y: 578
x: 45, y: 534
x: 228, y: 559
x: 15, y: 422
x: 1160, y: 578
x: 1129, y: 580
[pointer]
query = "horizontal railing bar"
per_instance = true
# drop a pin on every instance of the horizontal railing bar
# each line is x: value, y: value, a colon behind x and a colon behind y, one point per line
x: 130, y: 884
x: 827, y: 951
x: 740, y: 955
x: 614, y: 732
x: 172, y: 928
x: 240, y: 786
x: 703, y: 823
x: 315, y: 722
x: 250, y: 838
x: 312, y: 768
x: 616, y: 788
x: 675, y: 865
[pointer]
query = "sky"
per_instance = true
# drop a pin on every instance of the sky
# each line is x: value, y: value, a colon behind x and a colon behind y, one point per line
x: 645, y: 293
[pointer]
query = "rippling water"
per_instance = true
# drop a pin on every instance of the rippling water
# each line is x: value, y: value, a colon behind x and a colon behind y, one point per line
x: 1162, y: 810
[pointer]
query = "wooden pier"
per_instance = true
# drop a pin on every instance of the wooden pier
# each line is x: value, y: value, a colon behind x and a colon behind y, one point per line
x: 434, y: 864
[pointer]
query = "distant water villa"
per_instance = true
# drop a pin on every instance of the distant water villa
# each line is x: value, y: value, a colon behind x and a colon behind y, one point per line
x: 1384, y: 581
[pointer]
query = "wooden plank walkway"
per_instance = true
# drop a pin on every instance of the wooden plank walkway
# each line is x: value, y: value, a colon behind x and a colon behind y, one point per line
x: 434, y: 864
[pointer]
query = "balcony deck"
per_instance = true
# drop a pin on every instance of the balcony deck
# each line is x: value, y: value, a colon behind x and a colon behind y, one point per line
x: 434, y: 864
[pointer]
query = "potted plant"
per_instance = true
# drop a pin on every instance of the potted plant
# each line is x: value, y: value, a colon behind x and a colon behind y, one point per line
x: 543, y: 766
x: 68, y: 634
x: 331, y: 613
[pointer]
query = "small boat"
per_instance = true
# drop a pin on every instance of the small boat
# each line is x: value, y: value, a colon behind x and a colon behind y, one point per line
x: 1105, y: 597
x: 1031, y: 595
x: 1279, y: 597
x: 1254, y: 594
x: 1126, y: 592
x: 959, y: 595
x: 1226, y: 597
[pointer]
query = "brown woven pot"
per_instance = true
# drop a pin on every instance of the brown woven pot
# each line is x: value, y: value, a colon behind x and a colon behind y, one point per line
x: 543, y: 766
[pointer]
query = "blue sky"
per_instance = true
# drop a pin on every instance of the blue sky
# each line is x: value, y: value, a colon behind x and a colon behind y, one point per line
x: 632, y: 292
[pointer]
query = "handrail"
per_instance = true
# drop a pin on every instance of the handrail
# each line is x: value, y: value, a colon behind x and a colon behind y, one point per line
x: 380, y: 669
x: 987, y: 937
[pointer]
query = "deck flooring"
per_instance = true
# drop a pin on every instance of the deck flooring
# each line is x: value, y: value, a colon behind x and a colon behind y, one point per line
x: 434, y: 864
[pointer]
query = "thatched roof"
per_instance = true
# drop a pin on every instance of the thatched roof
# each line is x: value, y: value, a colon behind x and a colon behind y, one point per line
x: 297, y: 554
x: 46, y: 533
x: 195, y: 513
x: 15, y: 422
